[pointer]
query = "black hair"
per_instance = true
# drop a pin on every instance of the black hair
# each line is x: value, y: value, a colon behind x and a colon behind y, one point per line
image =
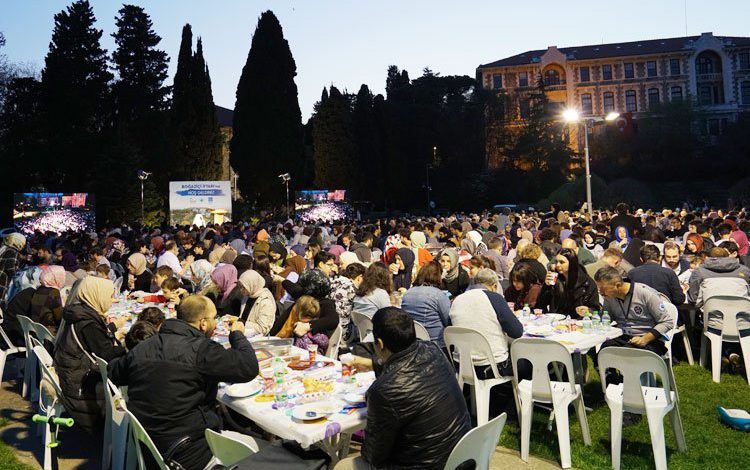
x: 394, y: 328
x: 140, y: 331
x: 650, y: 253
x: 323, y: 257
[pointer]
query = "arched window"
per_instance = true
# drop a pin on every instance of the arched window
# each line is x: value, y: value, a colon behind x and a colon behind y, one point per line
x: 631, y: 102
x: 551, y: 77
x: 708, y: 62
x: 653, y: 98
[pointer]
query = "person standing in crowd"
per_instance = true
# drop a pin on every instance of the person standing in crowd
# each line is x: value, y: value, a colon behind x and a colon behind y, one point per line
x: 11, y: 259
x: 570, y: 291
x: 625, y: 219
x: 652, y: 274
x: 399, y: 434
x: 427, y: 304
x: 185, y: 366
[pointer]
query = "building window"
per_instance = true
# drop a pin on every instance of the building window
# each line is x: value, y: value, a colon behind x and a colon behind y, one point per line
x: 586, y: 106
x: 525, y: 108
x: 704, y: 95
x: 497, y: 81
x: 609, y: 102
x: 744, y: 60
x: 745, y: 92
x: 675, y: 93
x: 674, y: 66
x: 708, y: 62
x: 585, y: 77
x: 551, y: 77
x: 653, y: 98
x: 628, y: 68
x: 523, y: 79
x: 606, y: 72
x: 631, y: 103
x: 651, y: 68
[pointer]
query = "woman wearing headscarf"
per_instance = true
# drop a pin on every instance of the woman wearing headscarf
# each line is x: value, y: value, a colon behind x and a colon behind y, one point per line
x: 215, y: 256
x: 225, y: 279
x: 261, y: 316
x: 200, y: 274
x: 157, y: 245
x: 46, y: 303
x: 336, y: 251
x: 10, y: 260
x: 402, y: 268
x: 86, y: 333
x: 572, y: 289
x: 314, y: 283
x: 261, y: 243
x: 418, y: 243
x: 293, y: 269
x: 455, y: 278
x: 228, y: 257
x: 139, y: 278
x: 479, y: 246
x: 693, y: 244
x: 239, y: 245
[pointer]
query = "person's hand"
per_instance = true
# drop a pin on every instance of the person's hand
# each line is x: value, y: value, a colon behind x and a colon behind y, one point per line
x: 276, y: 269
x: 120, y: 322
x: 582, y: 310
x: 277, y: 279
x: 120, y: 334
x: 238, y: 326
x: 393, y: 267
x: 362, y: 364
x: 549, y: 279
x: 301, y: 328
x: 131, y: 281
x: 641, y: 341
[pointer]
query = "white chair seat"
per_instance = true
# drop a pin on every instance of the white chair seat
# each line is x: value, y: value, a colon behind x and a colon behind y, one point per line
x: 558, y: 389
x: 653, y: 397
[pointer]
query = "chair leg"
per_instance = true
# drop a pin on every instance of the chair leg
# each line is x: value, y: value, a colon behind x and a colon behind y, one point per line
x: 563, y: 433
x: 26, y: 376
x: 704, y: 351
x: 679, y: 432
x: 688, y: 348
x: 656, y: 429
x: 482, y: 399
x: 526, y: 416
x: 745, y: 348
x: 582, y: 419
x: 615, y: 433
x: 716, y: 358
x: 3, y: 356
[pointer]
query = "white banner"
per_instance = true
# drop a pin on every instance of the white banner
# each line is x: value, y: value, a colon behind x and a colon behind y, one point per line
x: 200, y: 202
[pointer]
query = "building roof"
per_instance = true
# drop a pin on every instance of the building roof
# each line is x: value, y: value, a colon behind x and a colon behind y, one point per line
x: 225, y: 116
x: 619, y: 49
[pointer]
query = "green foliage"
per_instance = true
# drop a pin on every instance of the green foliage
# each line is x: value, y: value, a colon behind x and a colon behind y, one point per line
x: 267, y: 133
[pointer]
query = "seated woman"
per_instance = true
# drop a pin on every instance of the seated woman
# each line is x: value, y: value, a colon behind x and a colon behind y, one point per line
x: 455, y: 278
x: 524, y: 287
x: 261, y: 316
x: 46, y: 303
x: 87, y: 333
x: 693, y: 244
x: 573, y: 292
x: 402, y: 268
x: 314, y: 283
x: 200, y: 273
x: 375, y: 291
x: 296, y: 324
x: 224, y: 279
x: 139, y: 278
x: 427, y: 304
x: 532, y: 256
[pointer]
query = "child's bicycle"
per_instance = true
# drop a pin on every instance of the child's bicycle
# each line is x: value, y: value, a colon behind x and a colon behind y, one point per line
x: 54, y: 443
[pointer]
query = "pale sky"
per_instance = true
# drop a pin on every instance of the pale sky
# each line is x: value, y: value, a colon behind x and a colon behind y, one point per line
x: 348, y: 43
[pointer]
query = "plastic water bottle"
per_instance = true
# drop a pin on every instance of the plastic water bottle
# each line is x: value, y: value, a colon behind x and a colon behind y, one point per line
x: 526, y: 312
x: 586, y: 323
x: 596, y: 321
x: 567, y: 323
x: 279, y: 394
x: 606, y: 321
x: 279, y: 367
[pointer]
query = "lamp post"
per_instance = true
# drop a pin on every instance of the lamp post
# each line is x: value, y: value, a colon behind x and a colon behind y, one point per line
x: 572, y: 116
x: 143, y: 176
x: 285, y: 178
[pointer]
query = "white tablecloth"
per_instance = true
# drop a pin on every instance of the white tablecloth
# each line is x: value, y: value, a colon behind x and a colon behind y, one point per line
x: 575, y: 341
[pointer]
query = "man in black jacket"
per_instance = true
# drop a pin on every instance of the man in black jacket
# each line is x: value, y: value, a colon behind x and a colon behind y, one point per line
x: 416, y: 413
x: 173, y: 377
x: 654, y: 275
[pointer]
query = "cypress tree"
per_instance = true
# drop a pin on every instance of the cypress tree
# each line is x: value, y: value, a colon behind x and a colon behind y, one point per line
x: 75, y: 97
x: 267, y: 133
x: 335, y: 146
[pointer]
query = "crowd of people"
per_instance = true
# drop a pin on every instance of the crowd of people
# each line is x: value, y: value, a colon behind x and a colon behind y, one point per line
x: 303, y: 279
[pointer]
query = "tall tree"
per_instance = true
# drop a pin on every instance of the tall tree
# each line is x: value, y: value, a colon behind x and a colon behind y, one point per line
x: 336, y: 157
x: 75, y: 97
x: 207, y: 139
x: 267, y: 133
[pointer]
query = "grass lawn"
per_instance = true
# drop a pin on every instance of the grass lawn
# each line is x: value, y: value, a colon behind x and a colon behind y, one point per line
x: 8, y: 460
x: 710, y: 444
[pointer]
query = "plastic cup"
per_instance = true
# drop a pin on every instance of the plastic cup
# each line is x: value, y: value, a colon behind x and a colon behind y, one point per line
x: 512, y: 306
x: 538, y: 312
x: 553, y: 275
x: 312, y: 351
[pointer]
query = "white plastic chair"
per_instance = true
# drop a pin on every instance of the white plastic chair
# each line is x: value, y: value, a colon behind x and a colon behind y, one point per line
x: 728, y: 307
x: 115, y: 424
x: 29, y: 375
x: 229, y: 447
x: 9, y: 348
x: 541, y: 353
x: 477, y: 445
x: 48, y: 405
x: 421, y: 332
x: 471, y: 345
x: 363, y: 324
x: 334, y: 342
x: 675, y: 331
x: 632, y: 397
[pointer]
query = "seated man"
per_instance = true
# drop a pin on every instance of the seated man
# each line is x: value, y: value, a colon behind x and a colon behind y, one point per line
x: 654, y: 275
x: 639, y: 310
x: 718, y: 264
x: 611, y: 257
x: 416, y: 413
x: 173, y: 377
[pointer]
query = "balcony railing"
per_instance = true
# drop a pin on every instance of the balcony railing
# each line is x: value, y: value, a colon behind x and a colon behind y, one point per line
x: 708, y: 76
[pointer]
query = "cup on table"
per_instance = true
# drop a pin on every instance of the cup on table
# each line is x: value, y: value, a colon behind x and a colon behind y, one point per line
x: 537, y: 312
x: 512, y: 306
x: 312, y: 351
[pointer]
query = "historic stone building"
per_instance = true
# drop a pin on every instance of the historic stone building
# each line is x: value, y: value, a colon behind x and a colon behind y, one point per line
x: 629, y: 77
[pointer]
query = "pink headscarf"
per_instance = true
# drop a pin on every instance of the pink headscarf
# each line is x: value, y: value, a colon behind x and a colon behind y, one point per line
x: 225, y: 276
x: 336, y: 251
x: 53, y: 276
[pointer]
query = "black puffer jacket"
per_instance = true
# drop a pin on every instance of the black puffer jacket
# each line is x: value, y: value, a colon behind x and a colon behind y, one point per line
x: 585, y: 293
x: 173, y: 377
x: 415, y: 411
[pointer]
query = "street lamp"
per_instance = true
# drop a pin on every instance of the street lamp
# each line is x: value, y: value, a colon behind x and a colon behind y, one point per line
x: 143, y: 176
x: 285, y: 179
x: 572, y: 116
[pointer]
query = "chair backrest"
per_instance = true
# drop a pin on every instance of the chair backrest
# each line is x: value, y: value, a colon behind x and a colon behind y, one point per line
x: 27, y: 326
x: 363, y: 324
x: 45, y: 363
x: 726, y: 298
x: 3, y: 335
x: 477, y: 445
x: 334, y: 342
x: 421, y: 332
x: 114, y: 397
x: 470, y: 345
x: 42, y: 333
x: 541, y: 353
x: 228, y: 450
x: 140, y: 436
x: 632, y: 363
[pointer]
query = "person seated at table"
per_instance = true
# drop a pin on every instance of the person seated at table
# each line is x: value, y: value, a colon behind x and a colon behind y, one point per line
x: 153, y: 315
x: 375, y: 291
x: 317, y: 284
x: 86, y: 332
x: 523, y: 288
x: 455, y: 277
x: 654, y: 275
x: 416, y: 412
x: 262, y: 315
x: 102, y: 271
x: 639, y: 310
x: 139, y: 332
x: 573, y: 292
x: 139, y: 277
x: 162, y: 273
x: 46, y: 303
x: 610, y: 257
x: 296, y: 324
x: 426, y: 302
x: 718, y: 264
x: 173, y: 378
x: 530, y: 254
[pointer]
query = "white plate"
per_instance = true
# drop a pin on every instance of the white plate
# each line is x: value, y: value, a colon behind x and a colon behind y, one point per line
x: 555, y: 316
x: 355, y: 399
x: 244, y: 390
x: 313, y: 411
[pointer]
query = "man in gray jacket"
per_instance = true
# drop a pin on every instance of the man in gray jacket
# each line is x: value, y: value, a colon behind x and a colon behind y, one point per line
x: 718, y: 264
x: 644, y: 315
